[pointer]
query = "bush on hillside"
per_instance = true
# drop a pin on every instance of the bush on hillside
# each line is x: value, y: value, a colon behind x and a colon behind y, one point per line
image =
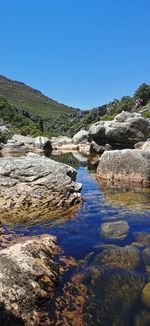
x: 143, y: 93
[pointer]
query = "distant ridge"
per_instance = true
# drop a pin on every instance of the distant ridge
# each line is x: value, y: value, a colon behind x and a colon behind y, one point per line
x: 54, y: 118
x: 25, y: 97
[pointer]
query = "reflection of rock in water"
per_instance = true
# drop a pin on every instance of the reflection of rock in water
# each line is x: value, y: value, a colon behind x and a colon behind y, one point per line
x: 33, y: 217
x: 130, y: 196
x: 80, y: 157
x: 66, y: 158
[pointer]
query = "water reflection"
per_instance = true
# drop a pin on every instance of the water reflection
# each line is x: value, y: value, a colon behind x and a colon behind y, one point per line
x: 129, y: 196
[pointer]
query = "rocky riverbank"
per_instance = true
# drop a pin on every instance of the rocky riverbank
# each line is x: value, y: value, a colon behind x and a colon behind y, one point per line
x: 30, y: 183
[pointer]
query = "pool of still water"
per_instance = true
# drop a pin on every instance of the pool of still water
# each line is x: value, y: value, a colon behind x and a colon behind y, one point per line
x: 115, y: 291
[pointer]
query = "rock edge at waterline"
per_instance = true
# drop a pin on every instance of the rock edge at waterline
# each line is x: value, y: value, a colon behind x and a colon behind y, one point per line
x: 127, y: 165
x: 37, y: 182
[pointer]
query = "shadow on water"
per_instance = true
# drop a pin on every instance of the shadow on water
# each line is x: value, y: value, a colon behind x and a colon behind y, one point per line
x: 106, y: 288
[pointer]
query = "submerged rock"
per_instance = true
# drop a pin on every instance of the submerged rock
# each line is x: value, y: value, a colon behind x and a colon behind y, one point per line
x: 125, y: 165
x: 28, y: 276
x: 142, y: 238
x: 143, y: 319
x: 35, y: 182
x: 112, y: 256
x: 146, y: 258
x: 114, y: 230
x: 146, y: 295
x: 113, y: 295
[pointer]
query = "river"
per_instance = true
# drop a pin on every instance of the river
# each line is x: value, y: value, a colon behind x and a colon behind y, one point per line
x: 104, y: 285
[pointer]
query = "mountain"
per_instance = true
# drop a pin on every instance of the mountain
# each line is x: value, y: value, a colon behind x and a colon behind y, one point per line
x: 29, y: 111
x: 42, y: 113
x: 33, y: 103
x: 30, y: 99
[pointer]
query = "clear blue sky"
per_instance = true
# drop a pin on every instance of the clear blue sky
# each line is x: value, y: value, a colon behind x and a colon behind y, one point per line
x: 83, y: 53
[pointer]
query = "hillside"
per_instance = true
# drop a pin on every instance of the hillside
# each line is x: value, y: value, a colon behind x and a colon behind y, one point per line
x: 33, y: 104
x: 29, y: 111
x: 27, y: 98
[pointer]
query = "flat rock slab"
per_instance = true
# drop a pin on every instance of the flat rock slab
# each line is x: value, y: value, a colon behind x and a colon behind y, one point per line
x: 128, y: 165
x: 35, y: 182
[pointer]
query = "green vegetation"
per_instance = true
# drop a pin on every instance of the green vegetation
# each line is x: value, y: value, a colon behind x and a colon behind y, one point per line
x: 143, y: 93
x: 34, y: 103
x: 31, y: 112
x: 141, y: 98
x: 17, y: 121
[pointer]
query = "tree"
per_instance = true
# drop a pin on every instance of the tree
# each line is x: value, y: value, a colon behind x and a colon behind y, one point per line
x: 143, y: 93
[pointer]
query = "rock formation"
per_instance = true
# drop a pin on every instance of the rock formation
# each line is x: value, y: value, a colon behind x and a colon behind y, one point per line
x: 125, y: 165
x: 29, y: 275
x: 123, y: 132
x: 28, y: 183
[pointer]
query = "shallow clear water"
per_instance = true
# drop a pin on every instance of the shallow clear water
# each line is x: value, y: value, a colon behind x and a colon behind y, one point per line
x: 110, y: 285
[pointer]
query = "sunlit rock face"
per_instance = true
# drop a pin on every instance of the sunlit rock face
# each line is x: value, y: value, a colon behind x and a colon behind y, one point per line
x: 28, y: 275
x: 81, y: 137
x: 37, y: 183
x: 125, y: 165
x: 123, y: 132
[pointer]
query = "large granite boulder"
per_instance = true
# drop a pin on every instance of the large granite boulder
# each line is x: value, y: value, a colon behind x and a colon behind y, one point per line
x: 29, y: 275
x: 81, y: 137
x: 127, y: 165
x: 123, y: 132
x: 36, y: 182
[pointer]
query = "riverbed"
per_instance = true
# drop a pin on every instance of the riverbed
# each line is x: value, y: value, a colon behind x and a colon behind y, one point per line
x: 103, y: 286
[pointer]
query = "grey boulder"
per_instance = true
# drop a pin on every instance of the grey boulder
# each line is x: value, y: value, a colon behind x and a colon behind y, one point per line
x: 124, y: 131
x: 127, y: 165
x: 81, y: 137
x: 36, y: 182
